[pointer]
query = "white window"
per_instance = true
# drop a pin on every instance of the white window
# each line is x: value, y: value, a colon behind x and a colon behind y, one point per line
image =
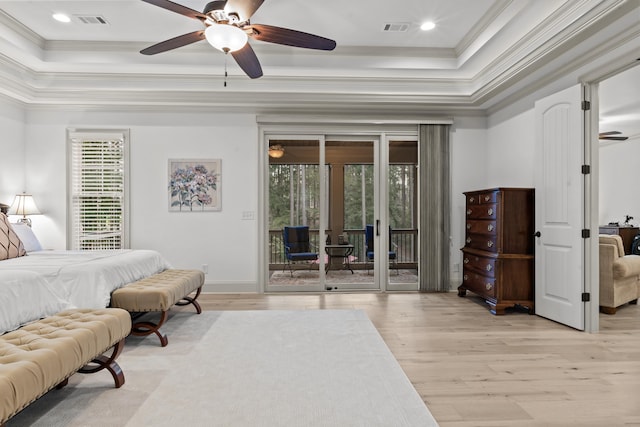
x: 98, y: 190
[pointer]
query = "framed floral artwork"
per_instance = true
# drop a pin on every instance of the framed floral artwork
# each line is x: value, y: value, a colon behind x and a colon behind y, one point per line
x: 194, y: 185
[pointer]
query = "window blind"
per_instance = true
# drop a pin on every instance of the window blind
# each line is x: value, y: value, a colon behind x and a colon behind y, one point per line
x: 98, y: 168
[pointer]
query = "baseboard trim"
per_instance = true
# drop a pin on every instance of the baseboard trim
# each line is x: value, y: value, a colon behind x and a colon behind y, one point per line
x: 230, y: 287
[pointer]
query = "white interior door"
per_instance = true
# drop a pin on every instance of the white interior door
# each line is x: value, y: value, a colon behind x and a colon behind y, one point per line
x: 560, y: 210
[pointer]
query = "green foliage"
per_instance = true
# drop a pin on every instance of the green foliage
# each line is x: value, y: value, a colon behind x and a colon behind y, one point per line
x: 294, y: 196
x: 358, y: 196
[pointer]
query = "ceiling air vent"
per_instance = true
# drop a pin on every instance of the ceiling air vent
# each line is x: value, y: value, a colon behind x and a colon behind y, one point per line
x: 91, y: 19
x: 396, y: 27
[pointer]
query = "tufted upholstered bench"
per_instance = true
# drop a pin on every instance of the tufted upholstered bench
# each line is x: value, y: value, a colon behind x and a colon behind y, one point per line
x: 158, y: 293
x: 44, y: 354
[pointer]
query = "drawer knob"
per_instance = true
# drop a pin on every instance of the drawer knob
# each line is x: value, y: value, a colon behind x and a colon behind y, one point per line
x: 489, y: 244
x: 465, y: 277
x: 489, y: 267
x: 490, y: 227
x: 488, y: 286
x: 468, y: 239
x: 469, y: 211
x: 490, y: 211
x: 487, y: 198
x: 472, y: 199
x: 468, y: 226
x: 466, y: 261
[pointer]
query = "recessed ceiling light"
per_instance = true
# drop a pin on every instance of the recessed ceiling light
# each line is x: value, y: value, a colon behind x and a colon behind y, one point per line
x: 61, y: 17
x: 427, y: 26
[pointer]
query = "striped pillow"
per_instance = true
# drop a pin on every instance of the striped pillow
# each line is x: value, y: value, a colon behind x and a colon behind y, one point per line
x: 10, y: 245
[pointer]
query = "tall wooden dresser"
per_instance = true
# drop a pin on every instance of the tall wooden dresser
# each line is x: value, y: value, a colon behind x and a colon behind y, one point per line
x: 498, y: 256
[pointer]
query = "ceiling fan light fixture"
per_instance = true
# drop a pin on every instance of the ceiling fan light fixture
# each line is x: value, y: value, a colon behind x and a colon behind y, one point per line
x: 276, y: 151
x: 224, y: 37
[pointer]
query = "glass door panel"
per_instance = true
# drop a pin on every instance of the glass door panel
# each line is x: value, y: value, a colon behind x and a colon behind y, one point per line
x: 351, y: 207
x: 403, y: 202
x: 295, y: 218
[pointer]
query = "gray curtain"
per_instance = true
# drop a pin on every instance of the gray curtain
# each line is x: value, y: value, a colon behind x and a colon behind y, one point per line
x: 435, y: 212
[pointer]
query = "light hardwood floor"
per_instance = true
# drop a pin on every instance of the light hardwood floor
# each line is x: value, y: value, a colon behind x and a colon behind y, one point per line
x: 475, y: 369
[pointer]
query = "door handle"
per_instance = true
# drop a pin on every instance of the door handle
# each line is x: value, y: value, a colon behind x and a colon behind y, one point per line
x: 377, y: 227
x: 537, y: 234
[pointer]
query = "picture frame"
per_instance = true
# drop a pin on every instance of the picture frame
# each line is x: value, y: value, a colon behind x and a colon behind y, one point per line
x: 194, y: 185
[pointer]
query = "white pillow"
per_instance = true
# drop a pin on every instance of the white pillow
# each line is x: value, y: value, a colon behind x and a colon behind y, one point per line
x: 25, y: 234
x: 26, y: 296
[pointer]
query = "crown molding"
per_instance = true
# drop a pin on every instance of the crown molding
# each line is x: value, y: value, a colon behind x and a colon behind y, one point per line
x: 17, y: 29
x: 64, y: 75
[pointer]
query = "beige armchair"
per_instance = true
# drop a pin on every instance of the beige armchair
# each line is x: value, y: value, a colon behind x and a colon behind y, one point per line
x: 619, y: 275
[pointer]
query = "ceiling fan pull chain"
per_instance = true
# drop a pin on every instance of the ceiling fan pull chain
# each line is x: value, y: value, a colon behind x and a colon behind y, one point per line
x: 225, y: 69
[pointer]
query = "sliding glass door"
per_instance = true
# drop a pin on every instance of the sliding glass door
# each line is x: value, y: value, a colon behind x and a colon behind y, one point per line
x: 327, y: 224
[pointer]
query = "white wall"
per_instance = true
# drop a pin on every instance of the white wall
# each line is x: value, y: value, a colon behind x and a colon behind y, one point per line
x: 12, y: 174
x: 222, y: 240
x: 619, y: 174
x: 487, y: 153
x: 510, y: 151
x: 468, y: 172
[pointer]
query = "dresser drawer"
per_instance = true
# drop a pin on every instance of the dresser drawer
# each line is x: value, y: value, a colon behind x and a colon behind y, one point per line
x: 473, y: 199
x: 488, y: 211
x: 491, y: 197
x: 479, y: 284
x: 484, y: 242
x: 483, y: 265
x: 481, y: 226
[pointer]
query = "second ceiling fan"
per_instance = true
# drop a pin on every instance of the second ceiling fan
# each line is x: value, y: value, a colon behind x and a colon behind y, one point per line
x: 613, y: 135
x: 227, y: 28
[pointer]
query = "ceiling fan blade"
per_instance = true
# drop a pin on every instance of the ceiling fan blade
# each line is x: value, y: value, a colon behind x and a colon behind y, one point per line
x: 613, y: 132
x: 175, y: 42
x: 613, y: 138
x: 248, y: 61
x: 244, y: 8
x: 177, y: 8
x: 271, y: 34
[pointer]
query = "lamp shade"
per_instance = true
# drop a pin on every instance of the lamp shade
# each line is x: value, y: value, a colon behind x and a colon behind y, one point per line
x: 225, y: 37
x: 23, y: 205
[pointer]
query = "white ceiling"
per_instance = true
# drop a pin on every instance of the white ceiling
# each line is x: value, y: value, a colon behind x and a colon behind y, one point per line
x: 482, y: 55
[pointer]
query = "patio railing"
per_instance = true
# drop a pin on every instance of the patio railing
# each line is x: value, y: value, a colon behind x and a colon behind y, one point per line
x: 405, y: 239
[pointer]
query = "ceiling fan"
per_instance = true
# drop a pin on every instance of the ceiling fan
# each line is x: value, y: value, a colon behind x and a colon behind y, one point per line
x: 227, y: 28
x: 610, y: 136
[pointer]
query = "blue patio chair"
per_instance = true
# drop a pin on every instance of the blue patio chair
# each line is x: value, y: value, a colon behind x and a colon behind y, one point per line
x: 393, y: 248
x: 297, y: 246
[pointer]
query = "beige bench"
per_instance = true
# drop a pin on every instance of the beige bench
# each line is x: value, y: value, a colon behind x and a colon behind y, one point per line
x: 158, y: 293
x: 44, y: 354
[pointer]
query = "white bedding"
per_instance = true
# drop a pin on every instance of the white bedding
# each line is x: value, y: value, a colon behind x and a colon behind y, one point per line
x: 26, y: 296
x: 87, y: 278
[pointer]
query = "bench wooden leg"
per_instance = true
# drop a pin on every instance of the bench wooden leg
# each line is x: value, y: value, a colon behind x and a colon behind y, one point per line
x: 148, y: 328
x: 192, y: 300
x: 109, y: 363
x: 62, y: 384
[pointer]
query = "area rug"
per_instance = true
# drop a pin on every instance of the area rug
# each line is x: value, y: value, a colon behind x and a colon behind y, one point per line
x: 245, y: 368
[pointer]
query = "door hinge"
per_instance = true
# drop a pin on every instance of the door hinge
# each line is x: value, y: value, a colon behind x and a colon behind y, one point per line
x: 586, y: 233
x: 586, y: 297
x: 586, y: 105
x: 586, y: 169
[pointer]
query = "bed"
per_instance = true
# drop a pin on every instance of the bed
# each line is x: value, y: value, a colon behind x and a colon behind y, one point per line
x: 83, y: 278
x: 87, y: 278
